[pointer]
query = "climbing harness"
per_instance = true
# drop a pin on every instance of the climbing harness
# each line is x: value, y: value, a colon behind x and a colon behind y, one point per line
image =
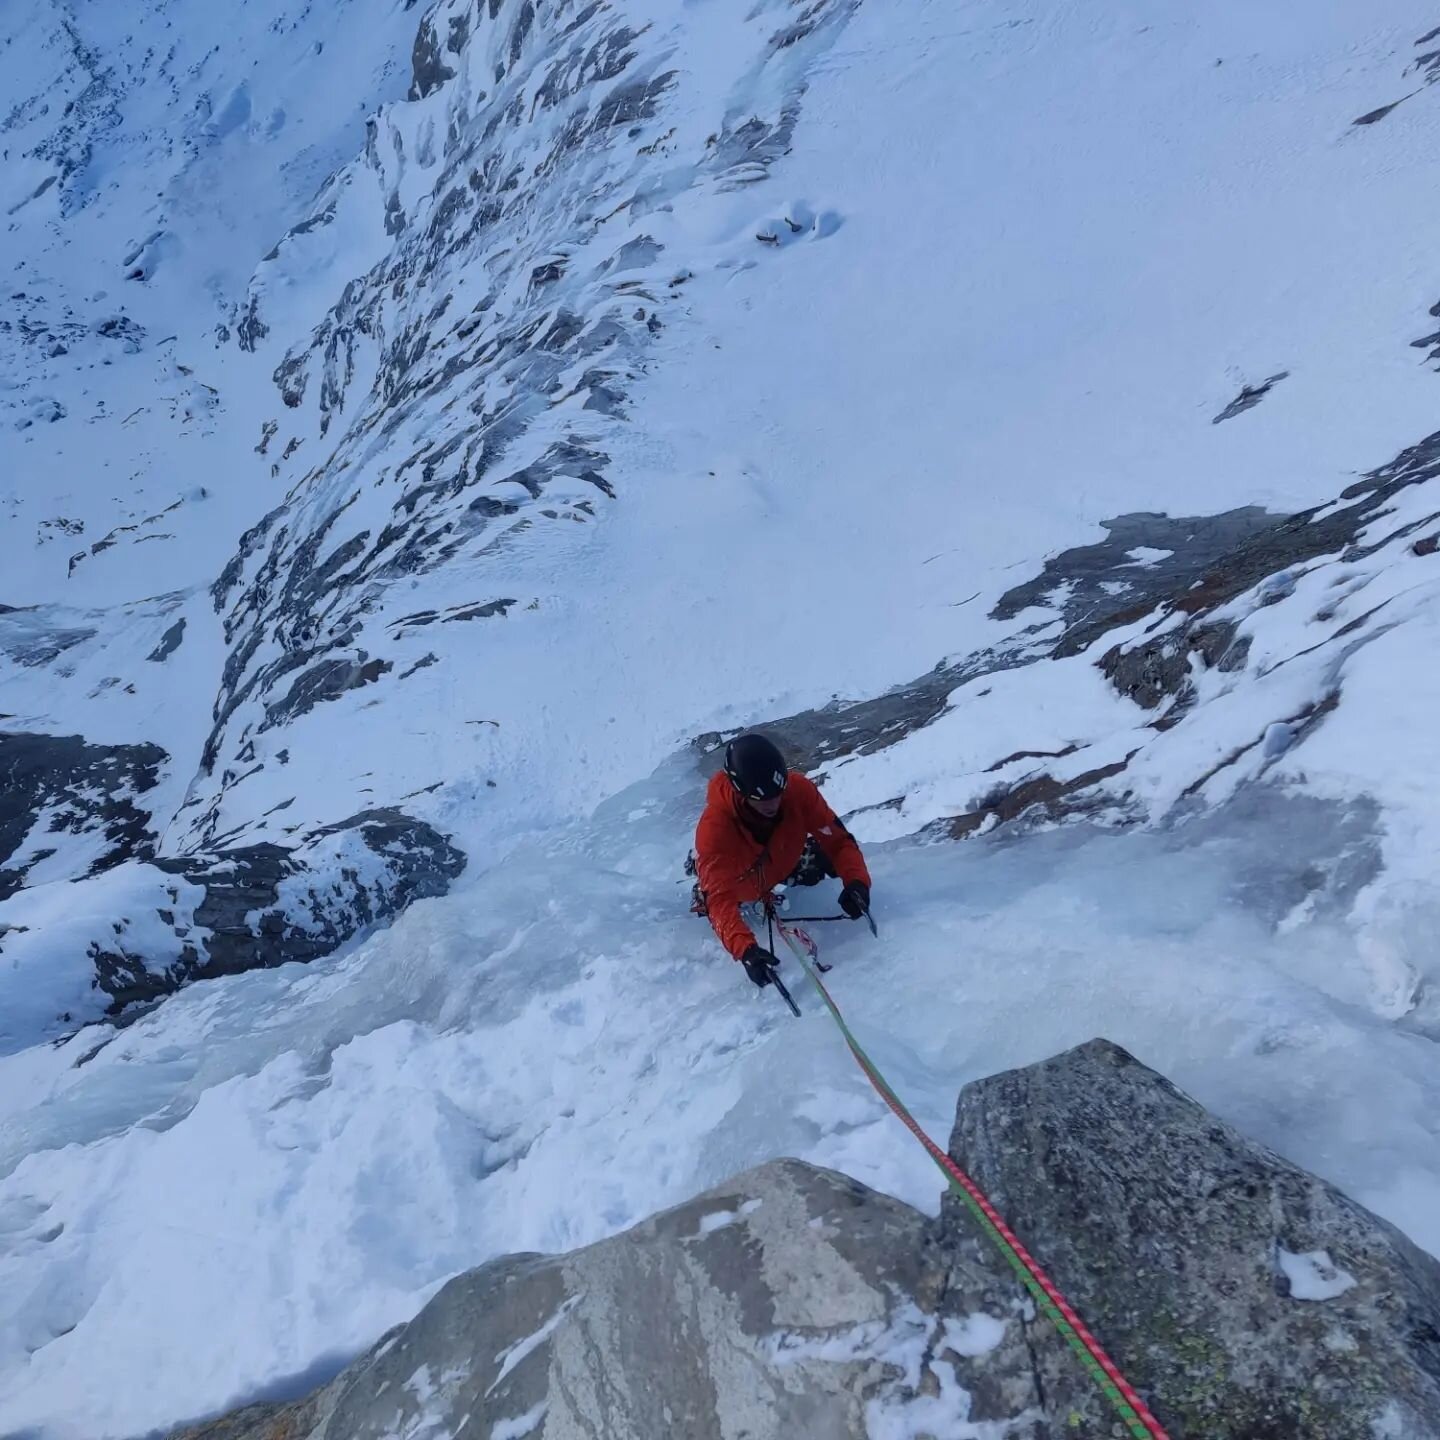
x: 1098, y: 1365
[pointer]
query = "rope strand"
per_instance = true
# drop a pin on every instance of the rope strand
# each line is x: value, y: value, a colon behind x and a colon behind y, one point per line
x: 1097, y: 1364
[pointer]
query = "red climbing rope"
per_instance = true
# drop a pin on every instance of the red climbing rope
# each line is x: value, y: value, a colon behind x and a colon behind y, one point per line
x: 1101, y: 1368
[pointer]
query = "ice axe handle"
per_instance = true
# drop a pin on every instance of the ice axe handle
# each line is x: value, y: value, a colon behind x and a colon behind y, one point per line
x: 779, y: 984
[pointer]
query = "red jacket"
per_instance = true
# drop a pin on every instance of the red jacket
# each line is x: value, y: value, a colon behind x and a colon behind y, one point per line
x: 735, y: 868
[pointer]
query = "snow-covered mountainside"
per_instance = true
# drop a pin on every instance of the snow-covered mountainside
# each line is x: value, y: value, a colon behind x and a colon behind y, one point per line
x: 424, y: 429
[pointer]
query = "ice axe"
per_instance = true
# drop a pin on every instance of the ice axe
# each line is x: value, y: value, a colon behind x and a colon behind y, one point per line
x: 779, y: 984
x: 775, y: 980
x: 823, y: 919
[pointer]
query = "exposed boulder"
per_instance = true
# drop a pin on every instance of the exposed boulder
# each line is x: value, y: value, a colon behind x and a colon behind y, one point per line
x: 780, y: 1304
x: 1244, y: 1298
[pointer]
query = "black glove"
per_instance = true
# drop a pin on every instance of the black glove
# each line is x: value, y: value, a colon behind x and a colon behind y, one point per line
x: 855, y: 900
x: 759, y: 965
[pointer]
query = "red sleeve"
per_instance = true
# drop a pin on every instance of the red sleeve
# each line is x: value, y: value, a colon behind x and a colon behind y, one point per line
x: 831, y: 835
x: 714, y: 871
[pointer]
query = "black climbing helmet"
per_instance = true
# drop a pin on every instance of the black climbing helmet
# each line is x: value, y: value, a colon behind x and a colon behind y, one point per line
x: 755, y: 767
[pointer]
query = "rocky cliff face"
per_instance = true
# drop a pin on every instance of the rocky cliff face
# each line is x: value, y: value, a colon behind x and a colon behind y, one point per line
x: 1244, y: 1298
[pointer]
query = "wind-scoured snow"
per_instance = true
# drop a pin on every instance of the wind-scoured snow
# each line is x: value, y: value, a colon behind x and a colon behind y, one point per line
x: 447, y: 414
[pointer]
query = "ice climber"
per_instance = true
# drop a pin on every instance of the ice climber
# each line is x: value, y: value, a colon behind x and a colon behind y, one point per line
x: 757, y: 831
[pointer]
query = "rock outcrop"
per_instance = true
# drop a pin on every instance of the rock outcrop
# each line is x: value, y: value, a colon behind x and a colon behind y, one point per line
x: 1167, y: 606
x: 255, y: 906
x: 780, y: 1303
x: 150, y: 924
x: 62, y: 786
x: 1245, y: 1299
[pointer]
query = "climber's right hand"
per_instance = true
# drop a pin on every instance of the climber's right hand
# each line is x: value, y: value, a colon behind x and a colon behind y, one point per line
x: 759, y: 965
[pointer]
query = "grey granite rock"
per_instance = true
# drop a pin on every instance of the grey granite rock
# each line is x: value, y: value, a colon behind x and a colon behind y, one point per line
x: 1201, y: 1261
x: 781, y: 1304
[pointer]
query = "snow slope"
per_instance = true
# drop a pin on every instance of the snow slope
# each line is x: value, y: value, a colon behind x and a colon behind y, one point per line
x: 659, y: 368
x: 270, y: 1170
